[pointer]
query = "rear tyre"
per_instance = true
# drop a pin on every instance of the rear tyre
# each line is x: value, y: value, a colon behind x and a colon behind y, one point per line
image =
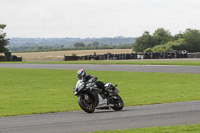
x: 119, y: 105
x: 86, y: 105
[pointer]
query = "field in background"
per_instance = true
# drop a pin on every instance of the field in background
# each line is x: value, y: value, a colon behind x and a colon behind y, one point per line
x: 34, y: 91
x: 59, y: 55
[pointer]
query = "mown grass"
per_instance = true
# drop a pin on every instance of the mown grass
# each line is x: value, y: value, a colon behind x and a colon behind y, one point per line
x: 130, y: 62
x: 31, y: 91
x: 195, y: 128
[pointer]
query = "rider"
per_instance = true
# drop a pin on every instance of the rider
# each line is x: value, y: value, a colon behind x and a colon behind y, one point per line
x: 81, y: 74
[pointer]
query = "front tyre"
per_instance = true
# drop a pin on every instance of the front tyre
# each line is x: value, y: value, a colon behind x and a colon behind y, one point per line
x: 86, y: 105
x: 118, y: 105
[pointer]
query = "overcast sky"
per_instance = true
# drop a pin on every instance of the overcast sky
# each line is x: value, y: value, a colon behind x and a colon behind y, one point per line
x: 96, y: 18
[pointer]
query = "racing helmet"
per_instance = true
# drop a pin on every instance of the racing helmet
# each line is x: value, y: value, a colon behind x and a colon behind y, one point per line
x: 81, y: 74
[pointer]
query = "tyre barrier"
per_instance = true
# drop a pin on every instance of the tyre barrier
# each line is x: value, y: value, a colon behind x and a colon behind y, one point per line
x: 193, y: 55
x: 9, y: 57
x: 128, y: 56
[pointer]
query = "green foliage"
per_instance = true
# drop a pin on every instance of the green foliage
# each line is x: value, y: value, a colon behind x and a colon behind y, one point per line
x: 179, y: 44
x: 162, y: 48
x: 95, y: 44
x: 192, y: 39
x: 40, y: 47
x: 73, y: 54
x: 62, y: 46
x: 3, y: 41
x: 161, y: 36
x: 105, y: 47
x: 148, y: 50
x: 189, y: 41
x: 161, y: 40
x: 79, y: 44
x: 143, y: 42
x: 177, y: 36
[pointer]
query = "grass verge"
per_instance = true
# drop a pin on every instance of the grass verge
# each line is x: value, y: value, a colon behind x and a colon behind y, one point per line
x: 130, y: 62
x: 195, y: 128
x: 31, y: 91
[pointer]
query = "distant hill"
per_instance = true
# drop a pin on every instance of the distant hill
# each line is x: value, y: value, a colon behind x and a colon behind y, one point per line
x: 69, y: 42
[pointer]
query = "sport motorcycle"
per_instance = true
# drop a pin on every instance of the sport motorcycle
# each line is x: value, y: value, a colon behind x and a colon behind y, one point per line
x: 91, y: 97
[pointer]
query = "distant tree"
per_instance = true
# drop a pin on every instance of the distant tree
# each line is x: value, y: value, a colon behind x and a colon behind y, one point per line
x: 143, y: 42
x: 161, y: 36
x: 62, y: 46
x: 179, y: 44
x: 95, y: 44
x: 105, y: 47
x: 177, y: 36
x: 192, y: 39
x: 89, y: 45
x: 162, y: 40
x: 125, y: 46
x: 79, y: 44
x: 40, y: 47
x: 189, y: 40
x: 164, y: 47
x: 3, y: 41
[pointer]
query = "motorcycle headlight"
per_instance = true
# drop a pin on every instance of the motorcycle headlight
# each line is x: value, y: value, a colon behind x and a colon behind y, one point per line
x: 75, y: 93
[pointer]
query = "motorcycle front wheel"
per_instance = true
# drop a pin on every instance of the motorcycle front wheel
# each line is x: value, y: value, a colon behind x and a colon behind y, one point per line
x: 86, y: 105
x: 119, y: 105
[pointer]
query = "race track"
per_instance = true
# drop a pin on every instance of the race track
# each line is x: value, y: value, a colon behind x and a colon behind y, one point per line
x: 130, y: 117
x: 133, y: 68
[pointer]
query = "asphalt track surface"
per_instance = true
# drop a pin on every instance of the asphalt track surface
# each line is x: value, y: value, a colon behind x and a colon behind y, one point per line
x: 130, y: 117
x: 133, y: 68
x: 181, y: 113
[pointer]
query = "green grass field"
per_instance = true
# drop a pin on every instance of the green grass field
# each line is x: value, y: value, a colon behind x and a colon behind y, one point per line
x: 166, y: 129
x: 130, y: 62
x: 31, y: 91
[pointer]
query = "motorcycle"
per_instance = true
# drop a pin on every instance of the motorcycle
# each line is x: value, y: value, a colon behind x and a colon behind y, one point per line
x: 90, y: 97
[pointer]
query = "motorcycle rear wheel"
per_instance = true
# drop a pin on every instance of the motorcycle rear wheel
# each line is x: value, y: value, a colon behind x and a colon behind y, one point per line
x: 118, y: 106
x: 87, y: 106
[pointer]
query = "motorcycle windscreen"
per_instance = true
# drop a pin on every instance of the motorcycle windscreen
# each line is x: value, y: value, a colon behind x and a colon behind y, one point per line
x: 79, y: 85
x: 116, y: 90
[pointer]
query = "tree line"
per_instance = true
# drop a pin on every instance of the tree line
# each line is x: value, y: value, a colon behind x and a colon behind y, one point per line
x: 3, y: 41
x: 61, y: 48
x: 162, y: 40
x: 69, y: 42
x: 96, y: 45
x: 19, y: 45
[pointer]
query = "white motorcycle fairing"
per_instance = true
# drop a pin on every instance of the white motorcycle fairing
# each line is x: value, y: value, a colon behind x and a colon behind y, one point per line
x: 103, y: 103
